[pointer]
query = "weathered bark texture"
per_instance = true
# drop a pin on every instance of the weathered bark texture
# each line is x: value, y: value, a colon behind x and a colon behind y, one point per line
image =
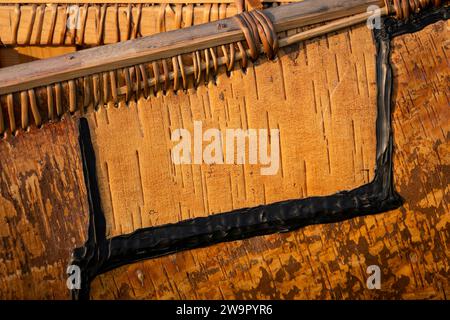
x: 43, y: 211
x: 410, y: 245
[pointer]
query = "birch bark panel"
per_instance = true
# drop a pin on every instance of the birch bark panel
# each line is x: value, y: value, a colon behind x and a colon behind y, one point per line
x: 43, y: 210
x: 410, y: 244
x: 320, y: 95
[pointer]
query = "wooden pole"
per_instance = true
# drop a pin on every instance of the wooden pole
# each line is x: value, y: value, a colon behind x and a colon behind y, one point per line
x: 164, y: 45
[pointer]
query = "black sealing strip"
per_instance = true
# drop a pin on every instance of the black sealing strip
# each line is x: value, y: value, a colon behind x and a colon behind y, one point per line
x: 100, y: 255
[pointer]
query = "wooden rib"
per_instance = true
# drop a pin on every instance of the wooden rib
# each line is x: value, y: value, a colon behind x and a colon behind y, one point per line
x: 83, y: 19
x: 144, y: 79
x: 54, y: 8
x: 50, y: 103
x: 223, y: 10
x: 72, y: 96
x: 137, y: 75
x: 40, y: 24
x: 58, y: 99
x: 24, y: 109
x: 96, y: 89
x: 128, y: 24
x: 178, y: 15
x: 73, y: 28
x: 62, y: 36
x: 101, y: 23
x: 137, y: 23
x: 112, y: 78
x: 34, y: 107
x: 189, y: 15
x: 31, y: 24
x: 15, y: 28
x: 86, y: 92
x: 10, y: 106
x: 160, y: 46
x: 105, y: 82
x: 116, y: 23
x: 128, y: 84
x: 182, y: 71
x: 161, y: 19
x: 2, y: 121
x: 176, y: 73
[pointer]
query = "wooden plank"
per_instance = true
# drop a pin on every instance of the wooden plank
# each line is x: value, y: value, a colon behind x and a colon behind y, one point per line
x: 85, y: 62
x: 43, y: 210
x: 410, y: 244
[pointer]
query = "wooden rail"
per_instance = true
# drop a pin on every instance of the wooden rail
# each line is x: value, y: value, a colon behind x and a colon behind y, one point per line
x: 165, y: 45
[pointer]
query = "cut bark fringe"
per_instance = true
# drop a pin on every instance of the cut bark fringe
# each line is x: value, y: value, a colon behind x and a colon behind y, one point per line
x: 178, y: 71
